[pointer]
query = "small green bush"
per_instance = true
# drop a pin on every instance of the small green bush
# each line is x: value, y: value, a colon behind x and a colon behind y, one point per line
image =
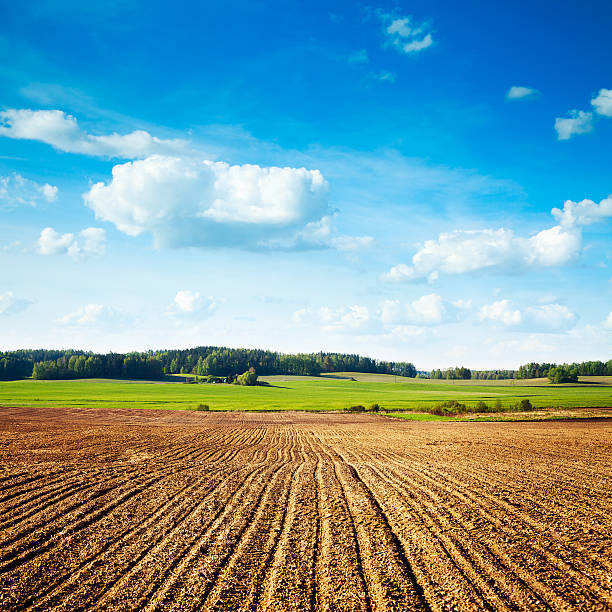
x: 482, y: 407
x: 203, y: 407
x: 356, y: 408
x: 449, y: 408
x: 525, y: 405
x: 374, y: 408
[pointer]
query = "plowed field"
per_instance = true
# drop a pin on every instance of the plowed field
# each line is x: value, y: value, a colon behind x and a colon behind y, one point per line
x: 159, y: 510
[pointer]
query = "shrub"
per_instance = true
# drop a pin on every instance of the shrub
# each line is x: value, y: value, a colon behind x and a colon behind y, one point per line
x: 482, y: 407
x: 248, y: 379
x: 524, y: 405
x: 374, y: 408
x: 203, y: 407
x: 356, y: 408
x: 449, y: 408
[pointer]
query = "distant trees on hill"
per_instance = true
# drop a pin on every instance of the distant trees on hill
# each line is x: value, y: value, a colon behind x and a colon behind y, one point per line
x: 452, y: 374
x: 493, y: 374
x: 586, y: 368
x: 112, y: 365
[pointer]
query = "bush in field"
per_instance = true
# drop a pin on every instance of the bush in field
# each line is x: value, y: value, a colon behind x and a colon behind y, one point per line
x: 203, y: 407
x: 498, y: 405
x: 248, y: 379
x: 482, y: 407
x: 374, y: 408
x: 449, y: 408
x: 524, y: 405
x: 562, y: 374
x: 356, y: 408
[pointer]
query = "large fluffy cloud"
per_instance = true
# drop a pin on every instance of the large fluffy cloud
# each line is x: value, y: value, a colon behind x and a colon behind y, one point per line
x: 501, y: 250
x: 15, y: 190
x: 464, y: 251
x: 62, y: 132
x: 189, y: 202
x: 90, y: 241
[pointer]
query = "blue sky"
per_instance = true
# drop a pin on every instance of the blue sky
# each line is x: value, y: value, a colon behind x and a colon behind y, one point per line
x: 421, y: 181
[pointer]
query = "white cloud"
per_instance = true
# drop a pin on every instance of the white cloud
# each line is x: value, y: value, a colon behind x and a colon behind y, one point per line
x: 334, y: 319
x: 603, y: 102
x: 587, y: 212
x: 429, y: 309
x: 191, y: 303
x: 501, y: 312
x: 61, y: 131
x: 551, y: 316
x: 579, y: 122
x: 9, y: 304
x: 608, y: 321
x: 90, y: 241
x: 406, y: 36
x: 93, y: 315
x: 463, y: 251
x: 15, y: 190
x: 548, y: 317
x: 521, y: 93
x: 189, y: 202
x: 385, y: 76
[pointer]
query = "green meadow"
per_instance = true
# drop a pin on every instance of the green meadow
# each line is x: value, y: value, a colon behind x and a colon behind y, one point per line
x: 326, y: 392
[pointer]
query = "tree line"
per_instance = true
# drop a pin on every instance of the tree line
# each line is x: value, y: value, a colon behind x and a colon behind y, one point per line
x: 200, y: 361
x: 459, y: 373
x: 585, y: 368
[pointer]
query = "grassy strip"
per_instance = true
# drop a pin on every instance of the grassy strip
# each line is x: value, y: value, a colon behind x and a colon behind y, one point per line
x: 299, y: 393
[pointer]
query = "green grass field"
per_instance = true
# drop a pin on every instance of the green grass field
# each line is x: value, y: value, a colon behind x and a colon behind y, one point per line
x: 329, y: 392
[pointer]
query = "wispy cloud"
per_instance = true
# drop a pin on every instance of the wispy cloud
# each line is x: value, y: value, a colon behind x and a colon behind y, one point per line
x: 405, y: 35
x: 61, y: 131
x: 548, y: 317
x: 359, y: 57
x: 429, y: 309
x: 92, y: 315
x: 521, y: 93
x: 10, y: 305
x: 15, y: 190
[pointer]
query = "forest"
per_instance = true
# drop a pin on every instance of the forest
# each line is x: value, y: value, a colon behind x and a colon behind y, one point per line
x: 201, y: 361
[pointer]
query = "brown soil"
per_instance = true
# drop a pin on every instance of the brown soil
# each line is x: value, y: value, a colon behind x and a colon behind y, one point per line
x: 155, y: 510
